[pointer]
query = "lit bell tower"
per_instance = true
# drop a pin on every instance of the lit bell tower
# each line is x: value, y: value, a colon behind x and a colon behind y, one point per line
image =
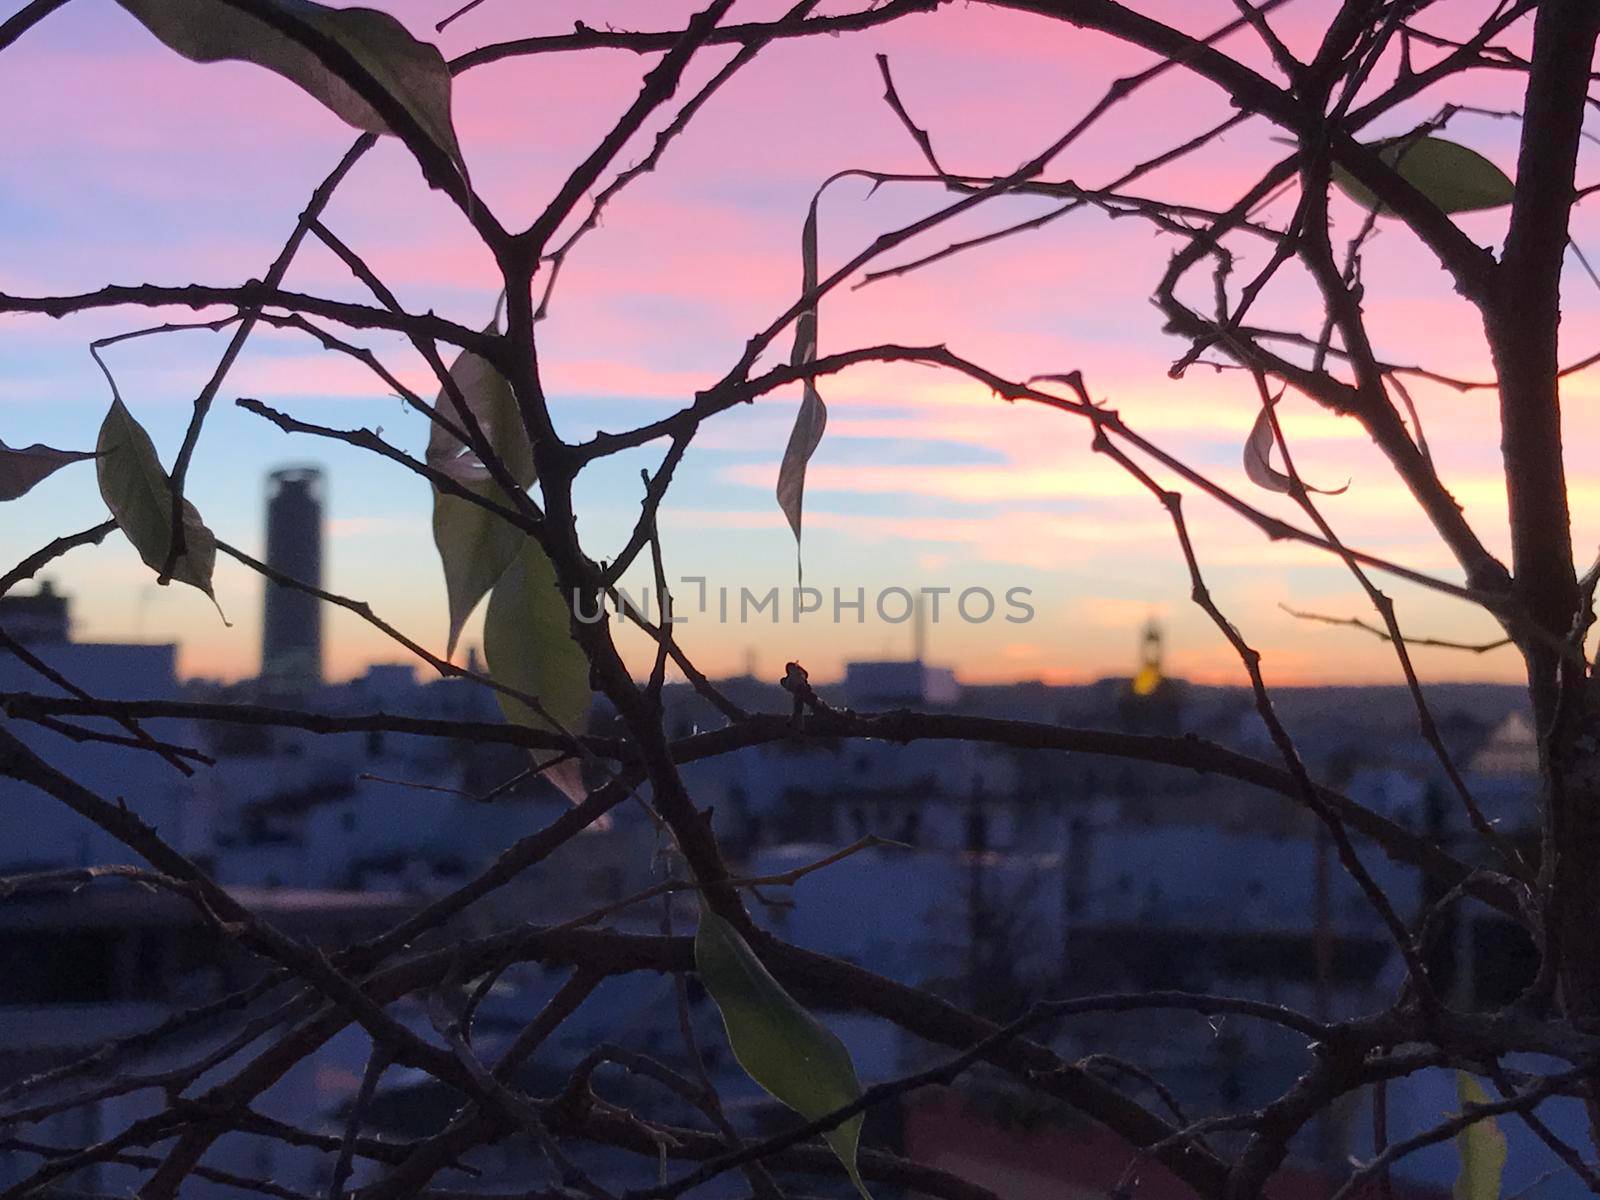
x: 1152, y: 702
x: 1149, y: 678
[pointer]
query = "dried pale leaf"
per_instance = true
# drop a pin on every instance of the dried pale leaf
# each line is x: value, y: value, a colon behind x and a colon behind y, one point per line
x: 1454, y: 177
x: 1481, y: 1148
x: 21, y: 469
x: 413, y: 73
x: 493, y: 405
x: 1258, y: 460
x: 139, y: 494
x: 567, y: 776
x: 809, y: 425
x: 812, y: 418
x: 528, y: 644
x: 476, y: 546
x: 792, y: 1055
x: 1257, y: 451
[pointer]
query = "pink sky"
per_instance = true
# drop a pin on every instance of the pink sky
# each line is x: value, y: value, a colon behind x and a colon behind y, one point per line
x: 125, y: 164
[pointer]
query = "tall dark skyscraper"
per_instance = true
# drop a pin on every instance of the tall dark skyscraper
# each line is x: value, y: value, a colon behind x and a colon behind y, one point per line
x: 291, y: 630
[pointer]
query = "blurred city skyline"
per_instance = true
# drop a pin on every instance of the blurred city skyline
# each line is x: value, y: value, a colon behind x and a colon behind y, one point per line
x: 923, y: 480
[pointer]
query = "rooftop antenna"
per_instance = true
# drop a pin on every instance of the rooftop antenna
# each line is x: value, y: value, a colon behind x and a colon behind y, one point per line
x: 919, y: 631
x: 141, y: 608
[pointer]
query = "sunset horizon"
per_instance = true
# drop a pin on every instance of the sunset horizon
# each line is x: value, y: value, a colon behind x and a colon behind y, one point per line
x: 923, y: 479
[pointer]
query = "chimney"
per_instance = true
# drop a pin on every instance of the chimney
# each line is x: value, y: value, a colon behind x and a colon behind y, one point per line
x: 37, y: 619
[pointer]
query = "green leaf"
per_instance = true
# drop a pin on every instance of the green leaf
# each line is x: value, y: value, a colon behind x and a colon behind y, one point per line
x: 1481, y: 1147
x: 1455, y: 178
x: 414, y: 73
x: 812, y: 419
x: 21, y: 469
x: 139, y: 495
x: 476, y: 546
x: 528, y: 644
x: 781, y: 1046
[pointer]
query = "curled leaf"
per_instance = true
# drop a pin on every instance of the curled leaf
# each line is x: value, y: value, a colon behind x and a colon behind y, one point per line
x: 476, y: 546
x: 1454, y: 177
x: 21, y: 469
x: 812, y: 419
x: 792, y: 1055
x: 413, y: 73
x: 529, y: 647
x: 139, y: 494
x: 492, y: 404
x: 1481, y: 1148
x: 1258, y: 460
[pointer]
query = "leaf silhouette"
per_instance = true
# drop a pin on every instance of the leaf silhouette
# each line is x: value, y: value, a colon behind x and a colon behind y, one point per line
x: 21, y: 469
x: 812, y: 419
x: 1258, y: 460
x: 1481, y: 1148
x: 1454, y: 177
x: 528, y: 644
x: 139, y: 495
x: 476, y: 546
x: 781, y: 1046
x: 413, y: 73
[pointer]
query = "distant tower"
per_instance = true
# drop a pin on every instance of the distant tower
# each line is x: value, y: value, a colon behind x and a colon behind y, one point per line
x: 1149, y: 677
x: 1152, y: 702
x: 291, y: 629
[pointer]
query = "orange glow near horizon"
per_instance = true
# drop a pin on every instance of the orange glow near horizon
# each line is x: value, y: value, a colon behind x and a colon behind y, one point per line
x: 924, y: 479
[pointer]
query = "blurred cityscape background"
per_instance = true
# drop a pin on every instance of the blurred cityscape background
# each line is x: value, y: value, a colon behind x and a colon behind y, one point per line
x: 1015, y: 875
